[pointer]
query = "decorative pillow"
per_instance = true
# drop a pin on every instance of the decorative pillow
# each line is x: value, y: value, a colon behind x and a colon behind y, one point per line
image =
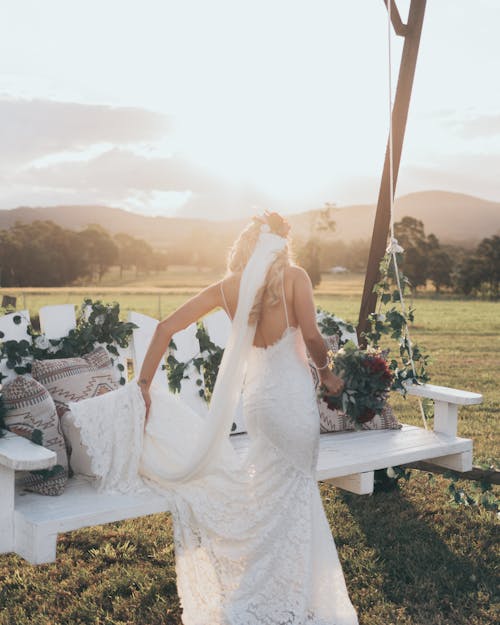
x: 336, y: 420
x: 74, y: 379
x: 31, y: 413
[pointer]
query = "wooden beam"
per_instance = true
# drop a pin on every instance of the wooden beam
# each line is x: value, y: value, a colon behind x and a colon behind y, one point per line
x: 399, y: 118
x: 400, y: 28
x: 476, y: 473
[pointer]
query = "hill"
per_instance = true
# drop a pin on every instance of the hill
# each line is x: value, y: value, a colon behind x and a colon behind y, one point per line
x: 452, y: 217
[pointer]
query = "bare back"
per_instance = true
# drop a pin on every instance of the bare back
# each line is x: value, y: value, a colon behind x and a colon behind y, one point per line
x: 275, y: 319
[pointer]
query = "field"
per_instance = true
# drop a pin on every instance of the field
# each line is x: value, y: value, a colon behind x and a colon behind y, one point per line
x: 410, y: 556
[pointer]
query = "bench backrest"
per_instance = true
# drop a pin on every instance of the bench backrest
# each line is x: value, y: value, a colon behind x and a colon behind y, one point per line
x: 56, y: 321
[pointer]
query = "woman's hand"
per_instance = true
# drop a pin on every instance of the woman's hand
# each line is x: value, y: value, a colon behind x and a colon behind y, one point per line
x: 334, y: 385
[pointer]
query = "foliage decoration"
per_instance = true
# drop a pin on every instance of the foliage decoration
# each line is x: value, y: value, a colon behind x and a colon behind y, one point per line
x: 97, y: 324
x: 367, y: 380
x: 480, y: 495
x: 330, y: 325
x: 206, y: 363
x: 2, y: 416
x: 392, y: 321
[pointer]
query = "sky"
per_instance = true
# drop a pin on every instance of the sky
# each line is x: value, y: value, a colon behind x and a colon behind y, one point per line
x: 219, y: 108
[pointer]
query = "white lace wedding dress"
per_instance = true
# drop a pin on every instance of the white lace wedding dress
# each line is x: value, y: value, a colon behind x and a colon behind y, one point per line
x: 252, y: 542
x: 253, y: 545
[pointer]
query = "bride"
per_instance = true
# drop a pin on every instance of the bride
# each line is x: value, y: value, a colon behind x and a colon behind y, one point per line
x: 252, y: 542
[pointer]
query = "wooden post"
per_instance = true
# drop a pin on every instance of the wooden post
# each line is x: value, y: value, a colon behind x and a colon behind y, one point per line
x: 412, y: 33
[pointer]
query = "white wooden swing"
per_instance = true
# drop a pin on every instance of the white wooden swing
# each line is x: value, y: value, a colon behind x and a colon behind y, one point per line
x: 30, y: 523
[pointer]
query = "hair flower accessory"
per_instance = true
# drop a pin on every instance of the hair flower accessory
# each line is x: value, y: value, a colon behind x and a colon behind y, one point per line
x: 274, y: 223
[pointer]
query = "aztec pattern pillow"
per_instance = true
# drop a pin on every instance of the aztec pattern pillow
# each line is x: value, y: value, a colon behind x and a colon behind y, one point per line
x: 336, y: 420
x: 74, y: 379
x: 31, y: 413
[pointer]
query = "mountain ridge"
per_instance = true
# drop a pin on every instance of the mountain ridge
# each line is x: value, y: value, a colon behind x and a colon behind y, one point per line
x: 455, y: 218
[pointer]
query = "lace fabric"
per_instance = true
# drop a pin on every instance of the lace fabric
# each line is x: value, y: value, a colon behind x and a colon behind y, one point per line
x: 252, y: 542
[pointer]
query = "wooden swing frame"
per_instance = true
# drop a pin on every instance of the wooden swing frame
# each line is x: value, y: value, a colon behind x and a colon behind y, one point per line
x: 411, y: 31
x: 30, y: 523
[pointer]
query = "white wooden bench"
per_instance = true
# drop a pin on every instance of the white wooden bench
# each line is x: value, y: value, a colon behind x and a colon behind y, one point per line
x: 30, y: 523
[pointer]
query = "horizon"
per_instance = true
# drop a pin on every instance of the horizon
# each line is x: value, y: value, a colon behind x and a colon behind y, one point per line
x: 241, y: 217
x: 199, y: 121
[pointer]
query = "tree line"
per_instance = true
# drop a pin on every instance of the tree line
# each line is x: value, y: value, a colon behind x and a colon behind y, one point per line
x: 42, y: 253
x: 425, y: 260
x: 466, y: 272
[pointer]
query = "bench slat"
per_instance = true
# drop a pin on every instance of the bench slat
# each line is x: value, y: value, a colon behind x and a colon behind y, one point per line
x: 444, y: 393
x: 20, y: 454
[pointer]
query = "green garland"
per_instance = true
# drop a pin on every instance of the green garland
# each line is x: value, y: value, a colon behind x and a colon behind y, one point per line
x: 206, y: 363
x: 392, y: 322
x: 330, y: 325
x: 97, y: 324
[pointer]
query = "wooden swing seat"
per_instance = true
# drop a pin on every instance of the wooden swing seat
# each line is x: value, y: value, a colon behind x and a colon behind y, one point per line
x: 30, y: 523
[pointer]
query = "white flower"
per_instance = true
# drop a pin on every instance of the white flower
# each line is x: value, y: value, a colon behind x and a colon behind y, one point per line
x: 391, y: 473
x: 381, y: 317
x: 42, y: 342
x: 394, y: 247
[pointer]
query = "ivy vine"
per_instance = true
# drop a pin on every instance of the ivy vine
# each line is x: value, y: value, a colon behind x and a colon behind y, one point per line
x: 98, y: 323
x: 206, y: 363
x: 391, y: 320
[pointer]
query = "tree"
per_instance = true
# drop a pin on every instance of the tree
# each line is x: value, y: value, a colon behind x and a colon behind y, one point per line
x: 308, y: 259
x: 440, y: 264
x: 481, y: 271
x: 100, y: 251
x: 40, y: 254
x: 424, y: 258
x: 308, y: 255
x: 488, y: 251
x: 411, y: 236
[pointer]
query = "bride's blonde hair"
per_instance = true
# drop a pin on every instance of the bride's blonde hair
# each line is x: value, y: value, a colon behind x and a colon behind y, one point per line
x: 269, y: 293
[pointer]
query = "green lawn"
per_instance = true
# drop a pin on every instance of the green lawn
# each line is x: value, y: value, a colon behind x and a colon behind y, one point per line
x: 411, y: 557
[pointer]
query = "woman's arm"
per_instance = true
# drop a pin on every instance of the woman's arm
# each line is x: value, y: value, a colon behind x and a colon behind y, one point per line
x: 192, y: 310
x: 305, y: 312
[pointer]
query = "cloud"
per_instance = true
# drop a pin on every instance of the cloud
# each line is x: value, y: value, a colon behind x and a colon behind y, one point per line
x: 31, y: 129
x: 480, y: 126
x: 119, y: 171
x: 122, y: 177
x: 472, y: 174
x: 228, y: 202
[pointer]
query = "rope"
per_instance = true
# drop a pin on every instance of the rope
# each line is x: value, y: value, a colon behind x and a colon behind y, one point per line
x: 394, y: 247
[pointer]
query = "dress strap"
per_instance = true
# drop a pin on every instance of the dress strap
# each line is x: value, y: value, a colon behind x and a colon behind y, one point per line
x: 284, y: 298
x: 224, y: 301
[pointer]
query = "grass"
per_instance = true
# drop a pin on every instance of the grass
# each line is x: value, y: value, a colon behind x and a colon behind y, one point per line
x: 410, y: 557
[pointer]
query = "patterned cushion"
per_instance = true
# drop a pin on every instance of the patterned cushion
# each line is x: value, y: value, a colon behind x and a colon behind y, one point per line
x: 74, y: 379
x: 336, y: 420
x: 31, y: 413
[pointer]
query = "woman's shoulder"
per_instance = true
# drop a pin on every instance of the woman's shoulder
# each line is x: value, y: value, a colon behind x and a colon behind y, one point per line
x: 297, y: 274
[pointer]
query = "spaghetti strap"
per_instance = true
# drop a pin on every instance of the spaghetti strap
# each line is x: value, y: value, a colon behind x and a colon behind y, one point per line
x: 284, y: 298
x: 226, y: 307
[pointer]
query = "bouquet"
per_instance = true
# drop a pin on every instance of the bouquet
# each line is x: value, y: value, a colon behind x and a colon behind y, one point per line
x: 367, y: 379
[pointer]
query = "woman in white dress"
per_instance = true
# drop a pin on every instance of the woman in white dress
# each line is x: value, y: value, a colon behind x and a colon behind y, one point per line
x: 252, y: 542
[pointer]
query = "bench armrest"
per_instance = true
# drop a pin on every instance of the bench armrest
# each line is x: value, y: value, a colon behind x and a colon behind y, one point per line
x: 444, y: 394
x: 20, y: 454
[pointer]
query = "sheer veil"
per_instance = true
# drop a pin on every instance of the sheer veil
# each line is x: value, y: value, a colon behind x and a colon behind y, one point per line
x: 216, y: 427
